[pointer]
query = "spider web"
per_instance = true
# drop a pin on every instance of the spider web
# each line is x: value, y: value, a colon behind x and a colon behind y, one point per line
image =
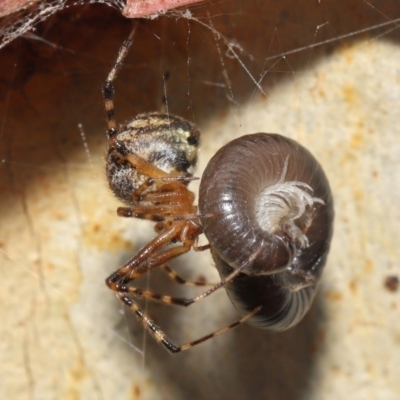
x: 330, y: 80
x: 24, y: 20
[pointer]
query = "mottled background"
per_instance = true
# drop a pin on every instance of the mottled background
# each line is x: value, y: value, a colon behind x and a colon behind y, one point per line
x: 63, y: 335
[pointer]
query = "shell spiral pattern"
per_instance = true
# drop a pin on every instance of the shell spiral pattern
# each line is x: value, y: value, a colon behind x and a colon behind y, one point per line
x: 266, y: 207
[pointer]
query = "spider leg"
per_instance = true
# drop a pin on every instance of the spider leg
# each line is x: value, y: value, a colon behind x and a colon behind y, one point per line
x: 138, y: 196
x: 179, y: 301
x: 128, y: 212
x: 201, y: 248
x: 108, y: 88
x: 196, y: 247
x: 148, y: 258
x: 174, y: 199
x: 119, y: 283
x: 164, y: 238
x: 175, y: 192
x: 144, y: 212
x: 145, y: 167
x: 182, y: 281
x: 169, y: 254
x: 141, y: 270
x: 163, y: 339
x: 137, y: 273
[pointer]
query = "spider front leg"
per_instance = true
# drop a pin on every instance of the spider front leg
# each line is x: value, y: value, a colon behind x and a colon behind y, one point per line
x: 153, y: 213
x: 121, y: 284
x: 168, y: 204
x: 139, y: 194
x: 162, y: 240
x: 151, y: 255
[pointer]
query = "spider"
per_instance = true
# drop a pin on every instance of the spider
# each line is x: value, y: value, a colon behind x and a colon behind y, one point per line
x: 149, y: 164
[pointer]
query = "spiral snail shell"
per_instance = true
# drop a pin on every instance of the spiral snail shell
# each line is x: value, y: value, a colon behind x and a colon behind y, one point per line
x: 266, y: 207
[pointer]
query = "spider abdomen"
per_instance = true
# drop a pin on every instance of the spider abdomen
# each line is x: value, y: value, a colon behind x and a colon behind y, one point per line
x: 164, y: 141
x: 265, y: 204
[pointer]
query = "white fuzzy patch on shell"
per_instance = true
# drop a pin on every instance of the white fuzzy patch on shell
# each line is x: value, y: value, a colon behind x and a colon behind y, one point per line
x: 281, y: 204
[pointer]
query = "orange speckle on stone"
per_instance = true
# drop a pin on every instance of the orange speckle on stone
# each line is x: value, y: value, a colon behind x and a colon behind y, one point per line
x: 356, y: 140
x: 350, y: 95
x: 358, y: 195
x: 348, y: 53
x: 136, y: 392
x: 333, y: 295
x: 96, y: 227
x: 58, y: 215
x: 369, y: 266
x: 50, y: 267
x: 353, y: 286
x: 105, y: 238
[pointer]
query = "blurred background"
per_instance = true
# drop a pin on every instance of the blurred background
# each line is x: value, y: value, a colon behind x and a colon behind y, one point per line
x: 325, y: 73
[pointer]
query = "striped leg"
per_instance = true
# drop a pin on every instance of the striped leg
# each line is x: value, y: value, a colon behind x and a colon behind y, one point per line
x: 129, y: 267
x: 138, y: 196
x: 108, y: 88
x: 163, y: 339
x: 122, y: 287
x: 174, y: 276
x: 201, y: 248
x: 153, y: 213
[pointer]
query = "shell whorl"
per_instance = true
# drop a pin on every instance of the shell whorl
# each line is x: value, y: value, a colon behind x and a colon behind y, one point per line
x: 266, y: 194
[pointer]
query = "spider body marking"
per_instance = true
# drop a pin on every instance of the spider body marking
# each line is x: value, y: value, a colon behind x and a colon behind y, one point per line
x: 166, y: 143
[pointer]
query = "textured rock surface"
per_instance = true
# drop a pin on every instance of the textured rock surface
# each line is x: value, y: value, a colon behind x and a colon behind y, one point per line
x: 63, y: 335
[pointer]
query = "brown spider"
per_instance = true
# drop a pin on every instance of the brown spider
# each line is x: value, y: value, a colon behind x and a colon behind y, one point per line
x: 150, y: 162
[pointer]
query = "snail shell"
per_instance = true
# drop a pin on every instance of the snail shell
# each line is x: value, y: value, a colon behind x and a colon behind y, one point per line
x: 266, y: 207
